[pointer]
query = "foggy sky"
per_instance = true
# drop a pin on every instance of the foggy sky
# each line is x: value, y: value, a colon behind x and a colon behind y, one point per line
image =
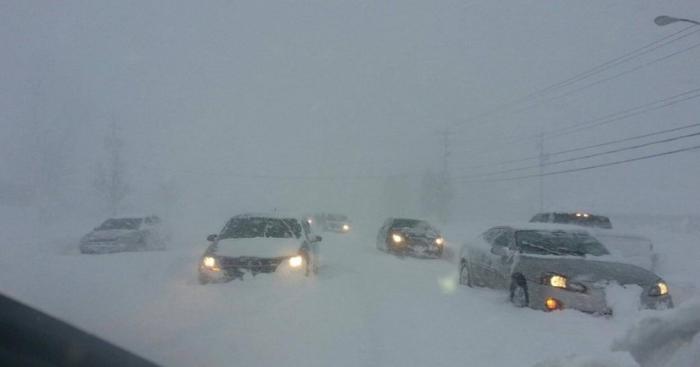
x: 229, y: 106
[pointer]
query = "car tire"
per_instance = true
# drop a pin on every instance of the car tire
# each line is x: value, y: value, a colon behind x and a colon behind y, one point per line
x: 464, y: 277
x: 518, y: 293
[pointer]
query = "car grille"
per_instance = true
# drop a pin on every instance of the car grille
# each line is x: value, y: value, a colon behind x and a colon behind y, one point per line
x: 254, y: 264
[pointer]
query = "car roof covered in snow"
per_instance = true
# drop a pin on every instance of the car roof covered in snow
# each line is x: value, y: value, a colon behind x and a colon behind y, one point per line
x: 544, y: 227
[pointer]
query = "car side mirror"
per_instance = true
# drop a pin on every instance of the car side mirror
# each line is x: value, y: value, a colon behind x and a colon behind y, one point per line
x: 212, y: 237
x: 316, y: 239
x: 499, y: 250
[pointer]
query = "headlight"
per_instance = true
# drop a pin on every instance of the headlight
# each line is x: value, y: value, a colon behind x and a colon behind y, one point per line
x: 397, y: 238
x: 560, y: 281
x: 346, y: 227
x: 296, y: 261
x: 659, y: 289
x: 310, y: 221
x: 439, y: 241
x: 557, y: 281
x: 209, y: 262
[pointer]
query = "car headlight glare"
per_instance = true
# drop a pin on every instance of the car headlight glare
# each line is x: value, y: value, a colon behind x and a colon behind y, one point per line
x: 439, y: 241
x: 560, y: 281
x: 209, y: 262
x: 397, y: 238
x: 659, y: 289
x: 346, y: 227
x: 296, y: 261
x: 557, y: 281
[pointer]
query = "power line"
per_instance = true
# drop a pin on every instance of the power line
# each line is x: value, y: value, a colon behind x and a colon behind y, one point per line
x: 533, y: 157
x: 586, y: 74
x: 621, y: 115
x: 610, y: 118
x: 587, y: 167
x: 600, y: 81
x: 592, y: 155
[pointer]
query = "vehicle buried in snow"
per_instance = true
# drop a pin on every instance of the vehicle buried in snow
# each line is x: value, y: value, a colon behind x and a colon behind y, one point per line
x: 404, y: 236
x: 550, y: 267
x: 636, y: 249
x: 125, y: 234
x: 329, y: 222
x: 254, y: 244
x: 577, y: 218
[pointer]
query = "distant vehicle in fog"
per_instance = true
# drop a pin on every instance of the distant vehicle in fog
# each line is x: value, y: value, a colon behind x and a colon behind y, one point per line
x: 404, y: 236
x: 328, y: 222
x: 125, y: 234
x: 636, y: 249
x: 577, y: 218
x: 255, y: 244
x: 550, y: 267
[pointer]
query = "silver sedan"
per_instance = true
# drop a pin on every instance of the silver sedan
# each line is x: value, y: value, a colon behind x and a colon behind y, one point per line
x: 548, y: 268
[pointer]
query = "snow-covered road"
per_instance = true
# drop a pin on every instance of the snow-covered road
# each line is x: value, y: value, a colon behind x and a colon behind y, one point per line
x: 365, y: 308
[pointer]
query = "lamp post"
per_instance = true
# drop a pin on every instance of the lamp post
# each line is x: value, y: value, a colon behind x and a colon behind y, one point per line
x: 663, y: 20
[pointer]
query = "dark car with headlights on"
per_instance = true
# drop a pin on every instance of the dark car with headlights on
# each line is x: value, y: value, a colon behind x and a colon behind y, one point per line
x: 259, y: 244
x: 405, y: 236
x: 125, y: 234
x: 548, y: 267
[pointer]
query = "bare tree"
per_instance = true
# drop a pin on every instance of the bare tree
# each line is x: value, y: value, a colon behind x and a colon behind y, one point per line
x: 111, y: 181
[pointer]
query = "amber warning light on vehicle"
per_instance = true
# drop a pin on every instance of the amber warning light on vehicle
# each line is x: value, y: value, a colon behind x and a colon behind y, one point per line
x: 552, y: 304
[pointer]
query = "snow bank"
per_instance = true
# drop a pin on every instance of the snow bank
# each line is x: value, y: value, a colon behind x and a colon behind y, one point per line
x: 668, y: 339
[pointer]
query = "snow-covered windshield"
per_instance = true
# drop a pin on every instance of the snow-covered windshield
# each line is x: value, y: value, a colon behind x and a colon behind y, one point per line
x: 558, y: 243
x: 252, y: 227
x: 120, y: 223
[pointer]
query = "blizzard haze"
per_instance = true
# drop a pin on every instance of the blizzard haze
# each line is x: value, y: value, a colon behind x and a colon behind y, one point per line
x: 368, y: 108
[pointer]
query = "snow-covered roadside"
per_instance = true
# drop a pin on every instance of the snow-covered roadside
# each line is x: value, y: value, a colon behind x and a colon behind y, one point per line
x: 366, y: 308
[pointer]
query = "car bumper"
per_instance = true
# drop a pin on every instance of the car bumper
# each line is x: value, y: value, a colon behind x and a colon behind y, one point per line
x: 592, y: 301
x: 237, y: 268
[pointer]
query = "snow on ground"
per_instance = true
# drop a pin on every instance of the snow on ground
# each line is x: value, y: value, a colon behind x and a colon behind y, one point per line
x: 366, y: 308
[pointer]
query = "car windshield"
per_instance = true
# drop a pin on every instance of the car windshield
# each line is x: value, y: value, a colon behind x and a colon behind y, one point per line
x: 558, y: 243
x: 120, y: 223
x: 336, y: 217
x: 261, y: 227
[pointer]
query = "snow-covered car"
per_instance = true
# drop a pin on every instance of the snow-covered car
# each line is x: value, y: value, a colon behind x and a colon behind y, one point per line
x: 635, y: 249
x: 404, y: 236
x: 577, y: 218
x: 328, y: 222
x: 125, y: 234
x: 257, y: 244
x: 549, y: 267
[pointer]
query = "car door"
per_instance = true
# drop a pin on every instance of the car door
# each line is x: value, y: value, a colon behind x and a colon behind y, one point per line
x: 309, y: 238
x: 481, y: 259
x: 505, y: 244
x: 497, y: 258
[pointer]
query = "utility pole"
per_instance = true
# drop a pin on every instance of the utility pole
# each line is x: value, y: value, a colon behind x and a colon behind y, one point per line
x: 445, y: 134
x: 445, y: 189
x: 542, y: 159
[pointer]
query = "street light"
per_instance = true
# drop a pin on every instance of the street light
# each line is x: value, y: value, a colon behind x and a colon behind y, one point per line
x: 663, y: 20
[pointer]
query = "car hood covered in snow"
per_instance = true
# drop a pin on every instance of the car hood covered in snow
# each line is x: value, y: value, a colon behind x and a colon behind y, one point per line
x: 257, y: 247
x: 586, y: 270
